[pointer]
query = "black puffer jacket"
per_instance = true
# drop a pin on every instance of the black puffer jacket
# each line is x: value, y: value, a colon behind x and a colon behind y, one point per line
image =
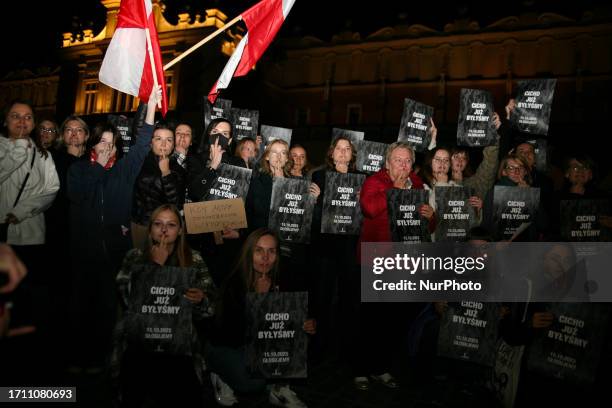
x: 152, y: 190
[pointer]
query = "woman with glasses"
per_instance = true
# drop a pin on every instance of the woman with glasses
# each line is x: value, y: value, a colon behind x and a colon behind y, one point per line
x: 484, y: 177
x: 100, y: 189
x: 28, y: 186
x: 437, y: 173
x: 143, y: 376
x: 46, y: 133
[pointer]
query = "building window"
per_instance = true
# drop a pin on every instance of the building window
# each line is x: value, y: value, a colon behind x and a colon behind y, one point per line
x: 353, y: 114
x: 91, y: 96
x: 302, y: 116
x: 122, y: 102
x: 169, y: 76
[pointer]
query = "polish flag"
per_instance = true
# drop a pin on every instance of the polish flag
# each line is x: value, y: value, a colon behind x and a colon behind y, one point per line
x: 127, y: 65
x: 263, y: 21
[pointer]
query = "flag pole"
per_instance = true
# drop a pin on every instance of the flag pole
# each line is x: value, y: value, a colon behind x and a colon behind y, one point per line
x: 202, y: 42
x: 152, y: 61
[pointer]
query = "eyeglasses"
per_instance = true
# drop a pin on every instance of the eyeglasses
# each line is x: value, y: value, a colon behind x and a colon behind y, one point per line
x: 225, y: 133
x: 402, y: 161
x: 48, y: 130
x: 15, y: 116
x: 578, y: 168
x: 440, y: 160
x: 168, y: 225
x: 514, y: 168
x: 74, y: 130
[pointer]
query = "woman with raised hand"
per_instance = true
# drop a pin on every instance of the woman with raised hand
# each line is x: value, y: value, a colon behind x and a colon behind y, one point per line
x: 100, y: 189
x: 161, y: 181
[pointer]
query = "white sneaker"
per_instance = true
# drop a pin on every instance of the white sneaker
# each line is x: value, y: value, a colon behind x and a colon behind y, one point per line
x: 224, y: 395
x: 285, y: 397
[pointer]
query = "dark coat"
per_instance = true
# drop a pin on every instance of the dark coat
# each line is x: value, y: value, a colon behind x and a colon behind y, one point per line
x: 152, y: 189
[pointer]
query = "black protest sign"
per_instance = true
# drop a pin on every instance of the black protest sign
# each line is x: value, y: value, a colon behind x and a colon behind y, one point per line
x: 276, y: 341
x: 246, y: 123
x: 468, y: 332
x: 534, y: 99
x: 405, y: 222
x: 579, y: 220
x: 370, y: 156
x: 570, y: 349
x: 455, y: 214
x: 230, y: 182
x: 415, y: 125
x: 291, y: 210
x: 513, y: 207
x: 124, y: 127
x: 220, y: 109
x: 341, y: 209
x: 475, y: 125
x: 353, y: 135
x: 272, y: 133
x: 159, y: 316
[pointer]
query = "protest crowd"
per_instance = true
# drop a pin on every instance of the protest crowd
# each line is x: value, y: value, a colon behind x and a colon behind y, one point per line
x: 119, y: 285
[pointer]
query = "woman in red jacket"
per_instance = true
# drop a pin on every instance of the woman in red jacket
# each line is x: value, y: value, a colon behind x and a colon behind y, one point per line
x: 379, y: 325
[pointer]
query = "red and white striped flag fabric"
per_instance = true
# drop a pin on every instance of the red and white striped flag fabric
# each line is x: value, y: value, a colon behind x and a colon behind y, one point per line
x: 263, y: 21
x: 127, y: 66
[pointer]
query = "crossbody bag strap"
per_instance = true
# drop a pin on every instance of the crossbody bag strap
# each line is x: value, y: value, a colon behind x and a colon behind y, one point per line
x: 25, y: 180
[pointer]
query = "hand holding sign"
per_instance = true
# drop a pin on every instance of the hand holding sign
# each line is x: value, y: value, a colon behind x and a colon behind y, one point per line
x: 315, y: 191
x: 541, y: 320
x: 510, y: 107
x: 426, y: 211
x: 310, y: 326
x: 194, y: 295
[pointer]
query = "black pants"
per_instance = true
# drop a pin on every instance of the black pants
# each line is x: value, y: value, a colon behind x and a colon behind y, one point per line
x: 155, y: 380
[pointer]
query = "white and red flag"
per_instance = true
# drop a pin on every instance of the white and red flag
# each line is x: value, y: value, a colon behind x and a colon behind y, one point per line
x: 127, y: 65
x: 263, y: 21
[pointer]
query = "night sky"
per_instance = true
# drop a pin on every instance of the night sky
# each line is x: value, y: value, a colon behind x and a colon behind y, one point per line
x: 308, y: 17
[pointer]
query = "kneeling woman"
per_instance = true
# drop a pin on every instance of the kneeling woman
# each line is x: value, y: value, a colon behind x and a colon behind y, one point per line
x: 257, y: 271
x: 158, y: 378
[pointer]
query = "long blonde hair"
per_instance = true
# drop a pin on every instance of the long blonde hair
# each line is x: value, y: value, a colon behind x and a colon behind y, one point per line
x: 181, y: 254
x: 265, y: 165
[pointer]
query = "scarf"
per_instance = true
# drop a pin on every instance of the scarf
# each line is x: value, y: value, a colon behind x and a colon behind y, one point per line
x: 93, y: 159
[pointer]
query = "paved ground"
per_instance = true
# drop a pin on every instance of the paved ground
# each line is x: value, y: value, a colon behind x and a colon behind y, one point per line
x: 330, y: 385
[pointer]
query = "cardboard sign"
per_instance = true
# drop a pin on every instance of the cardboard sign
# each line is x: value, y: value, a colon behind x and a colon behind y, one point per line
x: 210, y: 216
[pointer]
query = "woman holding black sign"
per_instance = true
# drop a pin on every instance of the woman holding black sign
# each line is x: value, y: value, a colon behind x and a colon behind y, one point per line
x: 275, y: 163
x: 167, y: 379
x: 214, y: 148
x: 257, y: 271
x: 333, y: 260
x: 381, y: 324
